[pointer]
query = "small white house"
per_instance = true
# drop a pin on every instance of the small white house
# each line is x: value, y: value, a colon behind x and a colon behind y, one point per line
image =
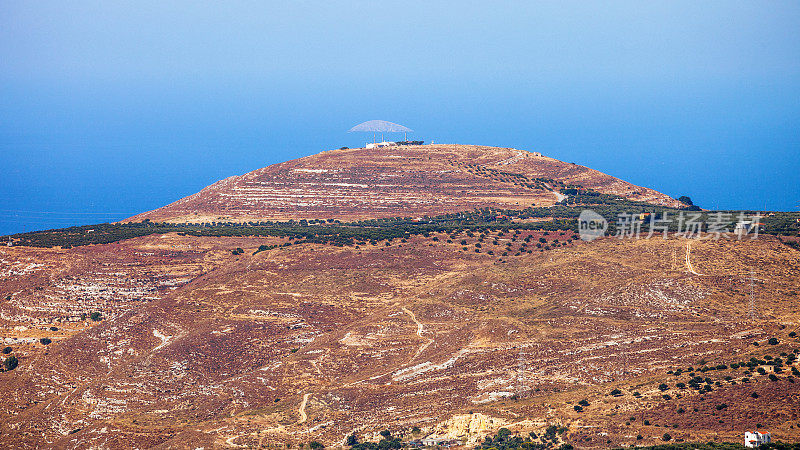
x: 381, y: 144
x: 755, y: 439
x: 431, y: 441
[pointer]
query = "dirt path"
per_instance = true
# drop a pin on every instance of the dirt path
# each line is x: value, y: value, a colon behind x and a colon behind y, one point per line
x: 689, y: 265
x: 420, y: 330
x: 519, y: 155
x: 164, y: 339
x: 302, y: 409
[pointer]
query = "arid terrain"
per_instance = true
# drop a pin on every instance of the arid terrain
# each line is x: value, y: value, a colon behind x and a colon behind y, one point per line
x: 458, y: 334
x: 394, y: 181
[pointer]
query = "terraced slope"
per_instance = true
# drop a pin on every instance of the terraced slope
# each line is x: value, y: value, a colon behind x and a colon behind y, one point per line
x: 313, y: 342
x: 406, y: 181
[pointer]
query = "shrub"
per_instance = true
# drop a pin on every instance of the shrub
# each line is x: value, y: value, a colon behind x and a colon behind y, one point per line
x: 721, y: 406
x: 315, y: 445
x: 663, y: 387
x: 578, y: 408
x: 584, y: 402
x: 772, y: 377
x: 754, y: 395
x: 96, y: 316
x: 772, y: 341
x: 11, y: 362
x: 667, y: 437
x: 7, y: 350
x: 45, y: 341
x: 616, y: 392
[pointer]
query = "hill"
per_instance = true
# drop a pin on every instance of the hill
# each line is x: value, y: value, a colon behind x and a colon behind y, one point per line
x: 403, y: 181
x: 459, y: 326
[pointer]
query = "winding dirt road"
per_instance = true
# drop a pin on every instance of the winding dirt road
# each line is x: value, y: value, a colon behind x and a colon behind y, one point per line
x: 420, y: 330
x: 689, y: 265
x: 302, y: 409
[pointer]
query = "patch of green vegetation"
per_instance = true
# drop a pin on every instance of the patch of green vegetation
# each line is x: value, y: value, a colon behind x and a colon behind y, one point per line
x: 10, y: 363
x: 388, y: 442
x: 563, y: 217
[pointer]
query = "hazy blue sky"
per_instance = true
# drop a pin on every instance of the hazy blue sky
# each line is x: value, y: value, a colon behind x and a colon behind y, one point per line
x: 112, y: 108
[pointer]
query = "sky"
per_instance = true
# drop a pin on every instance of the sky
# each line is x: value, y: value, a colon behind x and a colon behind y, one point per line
x: 108, y: 109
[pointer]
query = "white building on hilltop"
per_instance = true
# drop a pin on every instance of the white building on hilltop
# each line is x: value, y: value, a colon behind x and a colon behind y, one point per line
x: 752, y: 440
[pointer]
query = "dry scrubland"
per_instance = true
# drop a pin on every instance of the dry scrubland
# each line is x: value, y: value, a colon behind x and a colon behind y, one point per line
x: 200, y: 346
x: 407, y: 335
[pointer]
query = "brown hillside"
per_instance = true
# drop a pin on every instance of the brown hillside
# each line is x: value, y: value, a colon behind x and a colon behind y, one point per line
x: 313, y: 342
x: 404, y: 181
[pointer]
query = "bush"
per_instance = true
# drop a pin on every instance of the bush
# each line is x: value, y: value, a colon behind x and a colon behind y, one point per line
x: 584, y: 402
x: 667, y: 437
x: 315, y: 445
x: 96, y: 316
x: 11, y: 362
x: 7, y: 350
x: 45, y: 341
x: 616, y: 392
x: 772, y: 377
x: 578, y: 408
x: 662, y: 387
x: 754, y: 395
x: 772, y: 341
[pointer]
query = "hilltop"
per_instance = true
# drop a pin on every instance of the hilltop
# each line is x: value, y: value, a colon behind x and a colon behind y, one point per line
x: 402, y: 181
